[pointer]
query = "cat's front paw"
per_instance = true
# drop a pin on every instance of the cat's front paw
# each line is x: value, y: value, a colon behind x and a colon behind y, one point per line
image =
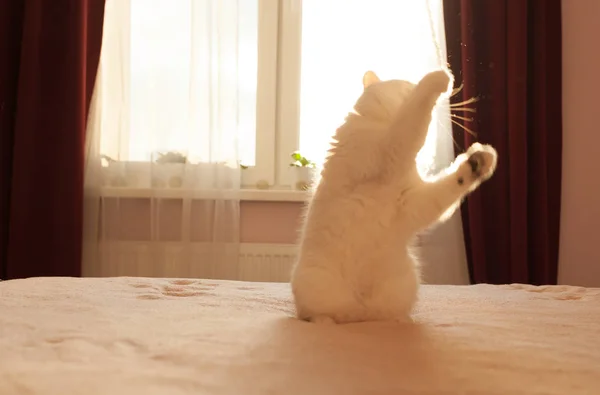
x: 479, y: 163
x: 438, y: 81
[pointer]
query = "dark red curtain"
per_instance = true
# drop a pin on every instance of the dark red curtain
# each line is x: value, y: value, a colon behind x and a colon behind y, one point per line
x: 508, y: 53
x: 49, y: 53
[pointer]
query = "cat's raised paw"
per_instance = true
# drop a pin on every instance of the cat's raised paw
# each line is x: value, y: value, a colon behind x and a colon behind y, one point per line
x: 439, y: 81
x: 479, y: 163
x: 482, y: 160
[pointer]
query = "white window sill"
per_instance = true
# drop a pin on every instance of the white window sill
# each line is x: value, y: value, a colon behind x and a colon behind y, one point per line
x: 245, y: 194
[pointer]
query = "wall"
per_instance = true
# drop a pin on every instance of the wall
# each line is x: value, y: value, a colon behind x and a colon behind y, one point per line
x: 270, y: 222
x: 441, y: 250
x: 580, y: 213
x: 128, y: 219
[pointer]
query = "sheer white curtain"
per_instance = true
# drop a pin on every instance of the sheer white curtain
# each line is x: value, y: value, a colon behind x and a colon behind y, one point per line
x: 176, y: 89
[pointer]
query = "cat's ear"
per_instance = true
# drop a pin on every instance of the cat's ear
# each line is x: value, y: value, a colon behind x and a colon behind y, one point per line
x: 369, y: 79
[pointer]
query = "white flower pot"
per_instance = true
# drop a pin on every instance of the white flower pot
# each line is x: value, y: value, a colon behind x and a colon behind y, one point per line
x: 115, y: 175
x: 138, y: 174
x: 167, y: 175
x: 302, y: 177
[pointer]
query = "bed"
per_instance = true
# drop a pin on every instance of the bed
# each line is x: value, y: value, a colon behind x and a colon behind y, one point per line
x: 188, y: 336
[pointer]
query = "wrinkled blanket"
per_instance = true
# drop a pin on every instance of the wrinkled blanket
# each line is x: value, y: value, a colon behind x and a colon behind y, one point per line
x: 187, y: 336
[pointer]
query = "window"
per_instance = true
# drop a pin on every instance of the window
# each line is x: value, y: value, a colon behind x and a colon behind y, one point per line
x: 326, y: 47
x: 303, y: 63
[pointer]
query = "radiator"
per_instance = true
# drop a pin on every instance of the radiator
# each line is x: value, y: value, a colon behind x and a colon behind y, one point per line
x: 441, y: 251
x: 256, y: 262
x: 266, y: 262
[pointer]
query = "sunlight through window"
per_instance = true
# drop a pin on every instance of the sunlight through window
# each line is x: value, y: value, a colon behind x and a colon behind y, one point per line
x: 169, y: 63
x: 253, y: 81
x: 341, y: 39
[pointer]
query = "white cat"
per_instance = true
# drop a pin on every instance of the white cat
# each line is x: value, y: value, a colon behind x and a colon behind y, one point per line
x: 354, y: 262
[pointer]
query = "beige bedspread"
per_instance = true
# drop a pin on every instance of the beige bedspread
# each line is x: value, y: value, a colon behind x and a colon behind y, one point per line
x: 159, y: 336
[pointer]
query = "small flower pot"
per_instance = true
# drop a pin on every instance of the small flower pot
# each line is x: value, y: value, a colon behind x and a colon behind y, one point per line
x: 302, y: 177
x: 115, y: 174
x: 167, y: 175
x: 168, y: 170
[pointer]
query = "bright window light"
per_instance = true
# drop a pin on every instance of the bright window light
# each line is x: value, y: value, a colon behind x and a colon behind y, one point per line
x: 341, y: 39
x: 167, y: 54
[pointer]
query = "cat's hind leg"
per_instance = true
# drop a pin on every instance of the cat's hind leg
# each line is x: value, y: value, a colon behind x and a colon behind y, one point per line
x: 394, y: 297
x: 324, y: 297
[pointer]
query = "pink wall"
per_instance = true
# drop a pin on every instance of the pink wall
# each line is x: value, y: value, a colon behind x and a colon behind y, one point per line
x: 580, y: 213
x: 260, y: 222
x: 268, y: 222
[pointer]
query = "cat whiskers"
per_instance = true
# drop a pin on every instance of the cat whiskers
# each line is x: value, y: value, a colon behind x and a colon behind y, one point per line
x: 456, y: 91
x: 456, y: 145
x: 462, y: 118
x: 464, y: 103
x: 461, y: 106
x: 464, y: 109
x: 466, y: 129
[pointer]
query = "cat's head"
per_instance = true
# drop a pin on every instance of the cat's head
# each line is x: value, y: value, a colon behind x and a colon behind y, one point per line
x: 382, y: 99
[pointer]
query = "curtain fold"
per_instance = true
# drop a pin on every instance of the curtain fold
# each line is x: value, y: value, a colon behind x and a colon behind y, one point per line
x: 176, y: 86
x: 49, y: 52
x: 508, y: 54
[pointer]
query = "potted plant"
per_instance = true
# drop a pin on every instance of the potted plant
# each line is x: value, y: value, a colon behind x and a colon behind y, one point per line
x: 303, y: 171
x: 124, y: 174
x: 168, y: 169
x: 114, y: 172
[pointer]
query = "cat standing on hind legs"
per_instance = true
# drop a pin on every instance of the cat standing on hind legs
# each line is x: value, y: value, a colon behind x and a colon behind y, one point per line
x: 354, y: 262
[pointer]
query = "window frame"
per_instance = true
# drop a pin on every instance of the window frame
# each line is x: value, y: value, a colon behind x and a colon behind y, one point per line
x: 266, y: 97
x: 278, y: 94
x: 288, y: 103
x: 286, y: 137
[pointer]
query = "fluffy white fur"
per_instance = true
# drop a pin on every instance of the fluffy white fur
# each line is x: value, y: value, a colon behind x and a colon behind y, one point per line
x: 354, y: 262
